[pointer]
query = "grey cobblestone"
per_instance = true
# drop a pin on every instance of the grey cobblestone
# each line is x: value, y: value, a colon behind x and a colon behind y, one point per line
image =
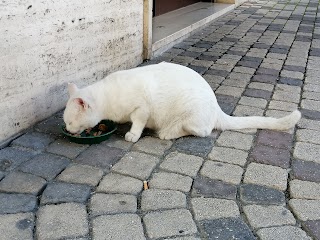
x: 17, y: 226
x: 230, y: 139
x: 214, y: 208
x: 154, y: 199
x: 118, y: 227
x: 285, y: 233
x: 171, y: 181
x: 18, y: 182
x: 116, y: 183
x: 222, y: 171
x: 229, y: 155
x: 138, y: 165
x: 82, y: 174
x: 169, y: 223
x: 101, y: 203
x: 182, y: 163
x: 268, y: 216
x: 305, y: 209
x: 266, y: 175
x: 152, y: 145
x: 65, y: 220
x: 304, y: 189
x: 14, y: 203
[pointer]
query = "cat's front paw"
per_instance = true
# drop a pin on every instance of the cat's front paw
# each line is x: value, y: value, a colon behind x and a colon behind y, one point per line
x: 130, y: 137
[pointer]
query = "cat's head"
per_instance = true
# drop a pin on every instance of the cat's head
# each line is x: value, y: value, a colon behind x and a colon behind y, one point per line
x: 80, y: 111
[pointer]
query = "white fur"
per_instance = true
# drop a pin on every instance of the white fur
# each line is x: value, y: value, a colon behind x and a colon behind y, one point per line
x: 172, y: 99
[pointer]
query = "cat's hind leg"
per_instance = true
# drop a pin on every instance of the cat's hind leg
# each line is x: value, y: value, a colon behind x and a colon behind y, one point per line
x: 139, y: 118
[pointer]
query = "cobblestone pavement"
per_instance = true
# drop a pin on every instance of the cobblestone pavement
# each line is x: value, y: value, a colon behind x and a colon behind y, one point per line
x: 262, y: 58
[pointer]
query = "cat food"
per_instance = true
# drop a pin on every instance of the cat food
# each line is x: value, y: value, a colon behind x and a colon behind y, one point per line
x: 95, y: 131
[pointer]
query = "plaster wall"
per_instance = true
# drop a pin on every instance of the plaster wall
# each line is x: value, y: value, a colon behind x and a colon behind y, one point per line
x: 45, y: 44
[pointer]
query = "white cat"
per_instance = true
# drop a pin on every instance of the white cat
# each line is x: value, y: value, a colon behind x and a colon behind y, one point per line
x: 172, y: 99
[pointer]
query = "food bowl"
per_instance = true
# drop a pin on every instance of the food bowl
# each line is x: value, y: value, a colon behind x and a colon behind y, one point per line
x: 97, y: 134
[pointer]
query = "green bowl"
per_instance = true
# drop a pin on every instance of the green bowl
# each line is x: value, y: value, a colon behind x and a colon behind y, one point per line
x: 82, y: 139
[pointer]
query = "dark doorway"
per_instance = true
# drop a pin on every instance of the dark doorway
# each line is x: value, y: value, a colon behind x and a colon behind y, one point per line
x: 164, y: 6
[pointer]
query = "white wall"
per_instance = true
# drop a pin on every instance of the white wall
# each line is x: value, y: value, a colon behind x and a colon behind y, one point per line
x: 46, y: 43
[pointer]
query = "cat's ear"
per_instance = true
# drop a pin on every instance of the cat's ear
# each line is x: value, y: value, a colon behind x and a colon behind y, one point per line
x: 72, y: 88
x: 82, y: 103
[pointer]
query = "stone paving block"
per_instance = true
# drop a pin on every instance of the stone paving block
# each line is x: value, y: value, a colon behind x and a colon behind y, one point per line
x: 311, y: 95
x: 170, y: 181
x: 285, y: 106
x: 270, y: 155
x: 116, y: 183
x: 255, y: 194
x: 214, y: 208
x: 17, y: 226
x: 228, y: 90
x: 242, y: 110
x: 257, y: 93
x: 191, y: 145
x: 100, y: 156
x: 313, y: 227
x: 261, y: 86
x: 152, y: 145
x: 283, y: 233
x: 59, y: 192
x: 310, y: 104
x: 169, y: 223
x: 268, y: 216
x: 118, y: 227
x: 286, y: 96
x: 275, y: 139
x: 305, y: 170
x: 246, y: 70
x: 240, y: 76
x: 65, y: 220
x: 34, y: 140
x: 117, y: 142
x: 292, y: 74
x: 154, y: 199
x: 18, y: 182
x: 1, y: 175
x: 65, y: 148
x: 305, y: 209
x: 266, y: 175
x: 227, y: 103
x: 264, y: 78
x: 304, y: 189
x: 138, y: 165
x: 227, y: 228
x: 235, y: 140
x: 306, y: 135
x: 14, y: 203
x: 309, y: 124
x: 307, y: 152
x: 222, y: 171
x: 205, y: 187
x: 82, y: 174
x: 51, y: 125
x: 309, y: 114
x: 235, y: 83
x: 101, y: 203
x: 229, y: 155
x: 254, y: 102
x: 47, y: 166
x: 182, y: 163
x: 11, y: 157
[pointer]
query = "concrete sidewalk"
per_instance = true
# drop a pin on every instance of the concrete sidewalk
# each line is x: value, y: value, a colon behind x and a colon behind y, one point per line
x: 262, y: 58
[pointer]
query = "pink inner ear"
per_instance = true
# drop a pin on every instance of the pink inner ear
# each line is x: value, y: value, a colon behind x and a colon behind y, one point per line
x: 80, y: 102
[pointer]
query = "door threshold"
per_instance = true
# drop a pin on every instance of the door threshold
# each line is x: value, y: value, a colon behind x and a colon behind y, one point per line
x: 173, y: 27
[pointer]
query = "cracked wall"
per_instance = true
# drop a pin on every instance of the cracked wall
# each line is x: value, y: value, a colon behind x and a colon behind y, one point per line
x: 46, y: 44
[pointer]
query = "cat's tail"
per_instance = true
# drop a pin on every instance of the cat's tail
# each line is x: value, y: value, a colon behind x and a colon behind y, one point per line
x: 229, y: 122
